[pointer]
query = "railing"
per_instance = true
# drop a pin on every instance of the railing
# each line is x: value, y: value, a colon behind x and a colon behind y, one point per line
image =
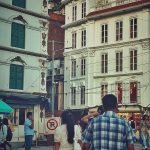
x: 103, y: 4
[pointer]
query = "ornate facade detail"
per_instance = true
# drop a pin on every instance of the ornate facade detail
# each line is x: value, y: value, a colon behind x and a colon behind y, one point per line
x: 18, y: 59
x: 42, y: 78
x: 146, y: 44
x: 43, y: 23
x: 44, y: 39
x: 44, y: 4
x: 20, y: 18
x: 92, y: 53
x: 43, y: 63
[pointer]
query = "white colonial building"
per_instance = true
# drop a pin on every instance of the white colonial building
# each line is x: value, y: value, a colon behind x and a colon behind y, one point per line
x: 23, y: 53
x: 110, y: 52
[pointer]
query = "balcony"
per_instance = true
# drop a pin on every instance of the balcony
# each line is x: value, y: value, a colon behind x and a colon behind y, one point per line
x: 103, y: 4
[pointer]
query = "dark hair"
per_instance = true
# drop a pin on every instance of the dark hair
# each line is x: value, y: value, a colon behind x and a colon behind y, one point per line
x: 84, y: 112
x: 67, y: 118
x: 131, y: 118
x: 29, y: 114
x: 100, y: 109
x: 144, y: 117
x: 5, y: 121
x: 109, y: 102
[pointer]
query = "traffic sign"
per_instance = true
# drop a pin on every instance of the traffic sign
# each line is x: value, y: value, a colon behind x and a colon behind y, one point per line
x: 51, y: 124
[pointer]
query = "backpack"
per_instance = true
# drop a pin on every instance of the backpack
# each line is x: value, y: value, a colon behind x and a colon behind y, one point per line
x: 132, y: 123
x: 9, y: 134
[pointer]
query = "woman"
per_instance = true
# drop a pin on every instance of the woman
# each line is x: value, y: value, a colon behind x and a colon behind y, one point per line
x: 77, y: 136
x: 144, y: 131
x: 64, y: 134
x: 3, y: 134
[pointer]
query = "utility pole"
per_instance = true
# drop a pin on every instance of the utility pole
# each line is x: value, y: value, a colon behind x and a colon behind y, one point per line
x: 53, y: 86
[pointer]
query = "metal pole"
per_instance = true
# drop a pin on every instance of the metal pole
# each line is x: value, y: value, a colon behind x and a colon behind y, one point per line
x: 53, y: 42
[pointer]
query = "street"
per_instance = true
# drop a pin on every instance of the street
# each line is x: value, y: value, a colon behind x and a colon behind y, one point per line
x: 137, y: 147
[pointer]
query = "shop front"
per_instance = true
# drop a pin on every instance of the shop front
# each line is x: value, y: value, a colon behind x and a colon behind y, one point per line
x: 128, y: 111
x: 21, y: 104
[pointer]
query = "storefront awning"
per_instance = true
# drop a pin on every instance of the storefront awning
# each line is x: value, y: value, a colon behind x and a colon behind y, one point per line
x: 130, y: 108
x: 5, y: 108
x: 21, y: 98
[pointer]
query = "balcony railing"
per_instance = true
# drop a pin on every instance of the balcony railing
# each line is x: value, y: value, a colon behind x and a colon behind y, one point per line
x: 103, y: 4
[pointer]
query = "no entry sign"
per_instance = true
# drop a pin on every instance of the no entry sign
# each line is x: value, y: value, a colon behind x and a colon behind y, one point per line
x: 51, y: 124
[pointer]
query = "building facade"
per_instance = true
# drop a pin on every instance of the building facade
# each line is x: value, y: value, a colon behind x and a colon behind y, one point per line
x: 23, y: 65
x: 110, y: 43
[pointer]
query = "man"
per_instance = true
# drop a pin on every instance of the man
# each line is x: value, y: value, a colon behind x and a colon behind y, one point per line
x: 28, y: 131
x: 108, y: 131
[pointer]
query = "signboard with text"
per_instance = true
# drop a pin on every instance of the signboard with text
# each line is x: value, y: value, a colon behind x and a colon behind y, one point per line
x: 51, y: 123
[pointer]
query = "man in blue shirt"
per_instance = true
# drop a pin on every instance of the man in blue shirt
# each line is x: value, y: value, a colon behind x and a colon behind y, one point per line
x: 28, y: 131
x: 108, y: 131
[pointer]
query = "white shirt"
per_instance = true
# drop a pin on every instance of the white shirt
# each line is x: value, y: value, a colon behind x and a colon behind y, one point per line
x: 77, y: 136
x: 61, y: 137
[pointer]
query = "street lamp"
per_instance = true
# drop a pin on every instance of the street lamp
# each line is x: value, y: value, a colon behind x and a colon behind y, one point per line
x: 52, y: 67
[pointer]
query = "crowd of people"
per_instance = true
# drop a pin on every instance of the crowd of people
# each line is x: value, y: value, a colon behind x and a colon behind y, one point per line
x: 101, y: 130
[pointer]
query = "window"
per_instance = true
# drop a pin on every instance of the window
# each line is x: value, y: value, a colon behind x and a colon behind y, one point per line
x: 73, y: 96
x: 119, y: 61
x: 82, y: 95
x: 104, y: 90
x: 119, y: 92
x: 16, y: 77
x: 83, y: 9
x: 104, y: 34
x: 104, y: 63
x: 74, y: 13
x: 83, y: 66
x: 18, y: 35
x: 19, y: 3
x: 119, y: 30
x: 73, y: 68
x: 74, y: 39
x: 133, y: 92
x: 133, y: 60
x: 133, y: 28
x: 83, y: 38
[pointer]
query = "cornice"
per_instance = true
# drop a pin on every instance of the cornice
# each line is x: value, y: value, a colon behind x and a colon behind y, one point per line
x: 74, y: 24
x: 107, y: 14
x: 21, y: 51
x: 120, y: 12
x: 24, y: 11
x: 144, y: 42
x: 27, y: 25
x: 117, y: 75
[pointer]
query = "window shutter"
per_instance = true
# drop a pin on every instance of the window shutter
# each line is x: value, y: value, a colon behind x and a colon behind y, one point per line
x: 16, y: 77
x: 18, y: 35
x: 19, y: 3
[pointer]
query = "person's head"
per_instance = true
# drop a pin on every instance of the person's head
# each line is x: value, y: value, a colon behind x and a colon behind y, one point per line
x: 67, y: 118
x: 100, y: 109
x: 29, y: 115
x: 109, y: 102
x: 131, y: 118
x: 5, y: 121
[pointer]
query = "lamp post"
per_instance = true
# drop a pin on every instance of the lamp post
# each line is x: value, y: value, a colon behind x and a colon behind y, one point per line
x: 52, y: 91
x: 53, y: 42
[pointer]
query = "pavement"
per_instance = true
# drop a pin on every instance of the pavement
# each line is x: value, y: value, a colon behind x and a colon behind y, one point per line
x: 38, y: 148
x: 137, y: 147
